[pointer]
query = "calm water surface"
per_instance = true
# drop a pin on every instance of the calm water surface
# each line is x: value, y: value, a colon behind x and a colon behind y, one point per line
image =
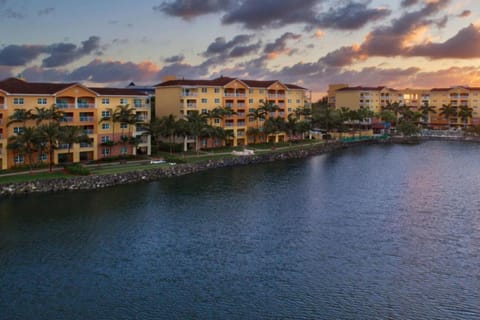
x: 381, y: 232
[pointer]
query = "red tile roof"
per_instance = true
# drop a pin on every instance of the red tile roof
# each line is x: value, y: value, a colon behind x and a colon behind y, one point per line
x: 118, y: 92
x: 18, y: 86
x: 362, y: 88
x: 222, y: 81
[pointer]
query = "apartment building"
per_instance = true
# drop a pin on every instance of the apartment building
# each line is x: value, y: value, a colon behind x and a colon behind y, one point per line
x: 81, y: 106
x: 180, y: 97
x: 375, y: 98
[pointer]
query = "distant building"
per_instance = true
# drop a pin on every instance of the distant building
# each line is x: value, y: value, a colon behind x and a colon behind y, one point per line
x: 376, y: 98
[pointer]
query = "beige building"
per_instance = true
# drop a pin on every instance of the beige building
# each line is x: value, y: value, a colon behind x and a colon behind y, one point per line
x: 179, y: 97
x: 375, y: 98
x: 82, y: 107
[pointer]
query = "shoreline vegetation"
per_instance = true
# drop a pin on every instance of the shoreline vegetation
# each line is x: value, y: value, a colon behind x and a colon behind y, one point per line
x: 146, y: 170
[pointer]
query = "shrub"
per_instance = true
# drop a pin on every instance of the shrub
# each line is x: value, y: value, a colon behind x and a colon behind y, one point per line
x: 77, y: 169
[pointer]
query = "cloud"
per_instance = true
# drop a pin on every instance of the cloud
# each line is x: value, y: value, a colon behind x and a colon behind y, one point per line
x: 45, y: 12
x: 114, y: 71
x: 58, y: 54
x: 175, y: 59
x: 220, y: 45
x: 61, y: 54
x: 408, y: 3
x: 319, y: 34
x: 241, y: 51
x: 465, y: 44
x: 15, y: 55
x: 352, y: 16
x: 465, y: 13
x: 12, y: 14
x: 189, y: 9
x: 279, y: 46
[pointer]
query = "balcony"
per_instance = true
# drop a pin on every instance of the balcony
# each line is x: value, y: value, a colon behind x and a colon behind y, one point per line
x: 241, y: 114
x: 191, y: 105
x: 86, y: 119
x: 228, y: 105
x: 88, y: 131
x: 85, y: 145
x: 142, y: 118
x: 83, y: 105
x: 140, y: 105
x: 233, y: 94
x: 63, y: 105
x: 3, y: 106
x: 241, y: 105
x: 67, y: 119
x: 228, y: 124
x: 241, y: 124
x: 189, y: 94
x: 276, y: 96
x: 240, y: 133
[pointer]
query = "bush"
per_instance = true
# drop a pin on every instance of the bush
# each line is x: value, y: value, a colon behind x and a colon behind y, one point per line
x: 176, y: 147
x: 170, y: 158
x: 77, y: 169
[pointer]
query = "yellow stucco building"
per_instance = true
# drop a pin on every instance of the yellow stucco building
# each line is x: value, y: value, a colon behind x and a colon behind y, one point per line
x: 81, y: 106
x: 180, y: 96
x: 374, y: 98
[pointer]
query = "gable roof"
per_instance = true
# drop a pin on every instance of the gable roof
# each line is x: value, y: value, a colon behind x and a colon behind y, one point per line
x: 118, y: 92
x: 360, y: 88
x: 222, y: 81
x: 19, y: 86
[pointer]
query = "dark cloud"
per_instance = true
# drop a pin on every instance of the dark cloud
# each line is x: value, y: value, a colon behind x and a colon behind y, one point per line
x: 45, y: 12
x: 5, y: 71
x: 175, y: 59
x: 464, y: 45
x: 352, y: 16
x: 241, y: 51
x: 465, y: 13
x: 14, y: 55
x: 408, y: 3
x: 64, y: 53
x: 58, y: 54
x: 12, y: 14
x: 188, y: 9
x: 341, y: 57
x: 112, y: 71
x: 220, y: 45
x: 280, y: 44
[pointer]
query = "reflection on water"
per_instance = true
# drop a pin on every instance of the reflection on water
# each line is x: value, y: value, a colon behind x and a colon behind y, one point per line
x: 376, y: 232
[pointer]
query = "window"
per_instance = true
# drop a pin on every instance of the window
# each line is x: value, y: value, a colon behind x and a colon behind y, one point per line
x: 137, y: 102
x: 105, y: 114
x: 18, y: 130
x: 261, y: 91
x: 19, y: 159
x: 216, y: 90
x: 298, y: 101
x: 217, y: 121
x: 123, y: 125
x: 251, y: 119
x: 250, y: 91
x: 123, y: 101
x: 17, y: 100
x: 204, y: 100
x: 260, y: 100
x: 204, y: 111
x: 105, y: 101
x: 250, y: 100
x: 105, y: 151
x: 289, y: 100
x: 289, y: 109
x: 123, y: 150
x: 217, y: 100
x: 105, y: 126
x: 204, y: 90
x: 42, y: 101
x: 105, y: 139
x: 42, y: 157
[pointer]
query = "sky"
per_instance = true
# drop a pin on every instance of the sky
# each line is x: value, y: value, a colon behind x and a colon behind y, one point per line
x: 312, y: 43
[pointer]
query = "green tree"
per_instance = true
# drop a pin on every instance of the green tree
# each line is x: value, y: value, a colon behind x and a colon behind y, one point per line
x: 50, y: 134
x: 70, y: 135
x: 447, y: 111
x: 273, y: 126
x: 52, y: 114
x: 25, y: 142
x: 196, y: 124
x: 465, y: 113
x: 426, y: 109
x: 20, y: 116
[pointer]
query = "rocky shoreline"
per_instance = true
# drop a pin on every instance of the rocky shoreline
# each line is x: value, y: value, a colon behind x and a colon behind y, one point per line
x: 94, y: 182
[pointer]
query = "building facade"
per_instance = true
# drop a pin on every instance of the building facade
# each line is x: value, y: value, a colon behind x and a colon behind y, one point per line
x: 81, y: 106
x: 181, y: 97
x: 376, y: 98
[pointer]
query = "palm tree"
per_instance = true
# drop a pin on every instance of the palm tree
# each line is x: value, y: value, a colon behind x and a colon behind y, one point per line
x: 254, y: 132
x: 291, y: 126
x: 258, y: 114
x: 72, y: 134
x: 20, y: 116
x: 447, y: 111
x: 273, y: 126
x: 48, y: 114
x: 426, y: 109
x: 196, y: 124
x: 465, y: 113
x: 269, y: 108
x: 25, y: 142
x: 109, y: 118
x: 50, y: 134
x: 126, y: 116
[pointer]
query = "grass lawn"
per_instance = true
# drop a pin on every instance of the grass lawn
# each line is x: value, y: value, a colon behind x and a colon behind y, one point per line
x: 34, y: 176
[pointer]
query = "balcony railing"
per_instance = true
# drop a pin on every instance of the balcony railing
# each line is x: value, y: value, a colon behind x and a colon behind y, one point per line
x: 86, y: 119
x: 140, y: 105
x: 189, y: 94
x: 276, y: 96
x: 232, y: 94
x: 240, y: 133
x: 67, y: 119
x: 82, y: 105
x: 88, y: 131
x: 3, y: 106
x: 62, y: 105
x: 191, y: 105
x: 241, y: 124
x: 241, y: 105
x: 85, y: 145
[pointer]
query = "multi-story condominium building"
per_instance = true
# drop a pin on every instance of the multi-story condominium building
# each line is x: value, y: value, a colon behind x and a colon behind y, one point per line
x: 179, y: 97
x: 375, y: 98
x: 88, y: 108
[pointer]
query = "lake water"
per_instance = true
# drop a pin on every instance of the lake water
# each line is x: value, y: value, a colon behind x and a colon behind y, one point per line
x: 377, y: 232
